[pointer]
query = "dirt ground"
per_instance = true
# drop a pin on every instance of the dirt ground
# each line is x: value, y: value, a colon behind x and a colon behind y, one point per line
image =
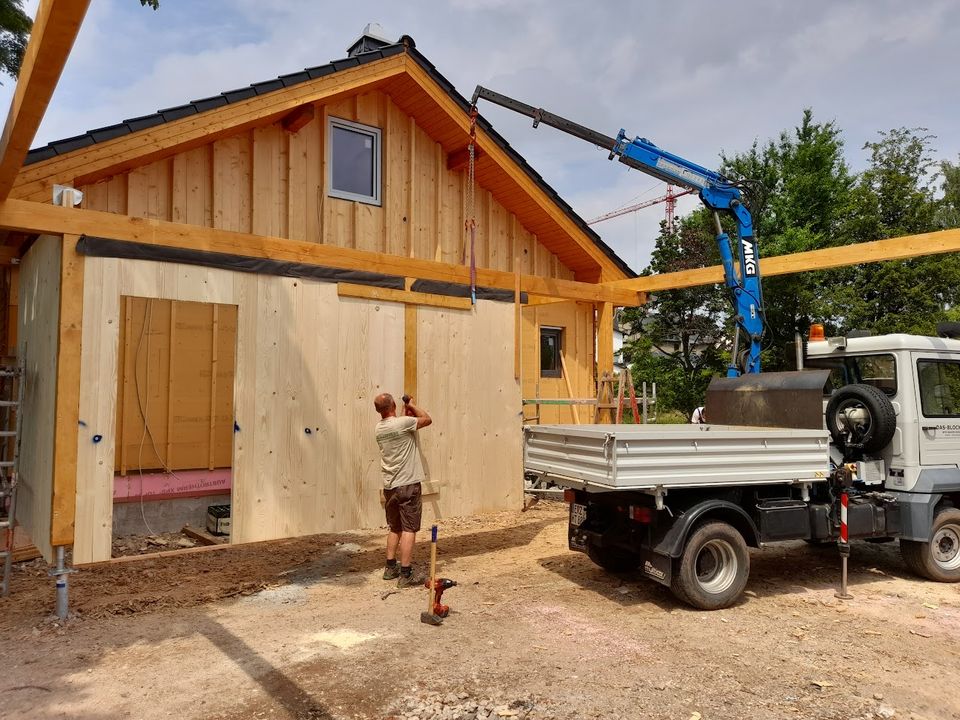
x: 307, y: 628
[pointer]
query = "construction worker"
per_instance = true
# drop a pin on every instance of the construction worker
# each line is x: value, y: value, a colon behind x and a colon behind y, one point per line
x: 699, y: 416
x: 402, y: 473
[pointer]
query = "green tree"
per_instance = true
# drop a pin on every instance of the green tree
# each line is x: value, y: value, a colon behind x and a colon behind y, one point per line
x: 808, y: 187
x: 15, y: 26
x: 681, y: 333
x: 949, y: 215
x: 895, y: 196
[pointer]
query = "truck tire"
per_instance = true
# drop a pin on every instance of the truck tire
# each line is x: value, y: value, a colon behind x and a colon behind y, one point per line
x: 613, y: 559
x: 713, y: 569
x: 939, y: 559
x: 877, y: 431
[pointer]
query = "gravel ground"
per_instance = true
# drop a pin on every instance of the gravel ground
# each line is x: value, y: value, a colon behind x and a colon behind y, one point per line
x: 307, y: 628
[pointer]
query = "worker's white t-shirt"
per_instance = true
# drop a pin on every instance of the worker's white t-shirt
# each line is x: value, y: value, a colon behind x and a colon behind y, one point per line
x: 698, y: 416
x: 399, y: 460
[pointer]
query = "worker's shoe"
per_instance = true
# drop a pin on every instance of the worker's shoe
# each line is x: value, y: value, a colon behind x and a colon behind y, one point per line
x: 414, y: 579
x: 391, y: 572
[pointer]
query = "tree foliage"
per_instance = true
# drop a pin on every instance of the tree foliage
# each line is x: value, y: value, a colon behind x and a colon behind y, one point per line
x: 812, y: 201
x: 15, y: 27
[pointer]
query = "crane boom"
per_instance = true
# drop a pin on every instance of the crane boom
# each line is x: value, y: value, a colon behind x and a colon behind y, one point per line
x: 637, y: 206
x: 717, y: 192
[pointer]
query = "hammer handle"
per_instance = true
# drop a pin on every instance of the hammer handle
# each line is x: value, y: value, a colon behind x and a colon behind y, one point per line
x: 433, y: 568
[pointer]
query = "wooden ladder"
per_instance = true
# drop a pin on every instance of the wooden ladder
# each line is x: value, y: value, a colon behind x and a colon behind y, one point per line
x: 610, y: 386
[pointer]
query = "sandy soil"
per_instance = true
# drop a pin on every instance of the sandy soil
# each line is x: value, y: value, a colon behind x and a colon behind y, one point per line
x: 307, y: 629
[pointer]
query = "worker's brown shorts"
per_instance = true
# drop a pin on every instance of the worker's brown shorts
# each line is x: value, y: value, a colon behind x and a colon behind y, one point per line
x: 403, y: 508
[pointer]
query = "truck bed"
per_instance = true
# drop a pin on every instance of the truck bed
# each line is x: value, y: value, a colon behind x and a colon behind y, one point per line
x: 651, y: 457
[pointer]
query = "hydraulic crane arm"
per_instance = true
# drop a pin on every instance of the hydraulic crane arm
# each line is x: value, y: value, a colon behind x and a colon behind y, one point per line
x: 717, y: 192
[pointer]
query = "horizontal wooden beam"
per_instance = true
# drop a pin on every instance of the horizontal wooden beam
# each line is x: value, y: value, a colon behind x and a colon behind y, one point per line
x: 113, y: 156
x: 43, y: 218
x: 460, y: 159
x: 900, y: 248
x: 295, y: 121
x: 402, y: 296
x: 52, y: 36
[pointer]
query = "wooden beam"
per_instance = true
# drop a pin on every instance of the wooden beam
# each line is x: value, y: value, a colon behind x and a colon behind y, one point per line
x: 295, y: 121
x: 402, y: 296
x: 460, y: 159
x: 901, y: 248
x: 604, y: 338
x: 54, y: 30
x: 64, y: 505
x: 43, y: 218
x: 97, y: 161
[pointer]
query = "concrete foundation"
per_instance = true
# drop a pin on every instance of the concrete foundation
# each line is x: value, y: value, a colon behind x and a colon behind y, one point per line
x: 163, y: 515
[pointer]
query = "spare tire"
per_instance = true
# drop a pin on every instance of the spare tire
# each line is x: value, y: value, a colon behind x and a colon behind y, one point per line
x: 861, y: 417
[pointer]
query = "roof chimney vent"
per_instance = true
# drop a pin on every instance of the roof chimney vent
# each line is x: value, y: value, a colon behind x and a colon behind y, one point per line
x: 371, y: 39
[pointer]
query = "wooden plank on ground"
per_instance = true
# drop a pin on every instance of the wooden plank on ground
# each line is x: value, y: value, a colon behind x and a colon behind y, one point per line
x: 202, y: 536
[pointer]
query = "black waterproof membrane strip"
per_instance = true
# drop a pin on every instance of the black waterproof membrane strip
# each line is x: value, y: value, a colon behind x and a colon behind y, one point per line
x: 436, y: 287
x: 105, y: 247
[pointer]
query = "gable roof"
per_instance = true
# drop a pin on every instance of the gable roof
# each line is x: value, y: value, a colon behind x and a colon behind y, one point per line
x: 362, y: 56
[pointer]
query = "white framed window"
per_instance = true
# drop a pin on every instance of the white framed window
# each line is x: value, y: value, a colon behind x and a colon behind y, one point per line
x: 353, y: 161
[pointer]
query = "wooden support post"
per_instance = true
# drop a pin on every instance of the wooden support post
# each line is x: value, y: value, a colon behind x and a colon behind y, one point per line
x: 517, y: 321
x: 213, y: 386
x: 64, y: 501
x: 171, y: 354
x: 125, y: 370
x: 295, y: 121
x: 604, y: 346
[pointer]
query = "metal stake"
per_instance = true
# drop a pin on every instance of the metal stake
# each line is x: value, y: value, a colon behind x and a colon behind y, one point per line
x: 60, y: 573
x: 644, y: 402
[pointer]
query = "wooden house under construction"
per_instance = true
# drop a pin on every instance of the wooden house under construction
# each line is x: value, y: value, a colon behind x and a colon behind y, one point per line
x: 213, y: 306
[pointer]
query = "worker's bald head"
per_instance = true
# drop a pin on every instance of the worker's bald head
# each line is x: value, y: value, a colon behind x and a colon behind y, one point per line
x: 384, y: 403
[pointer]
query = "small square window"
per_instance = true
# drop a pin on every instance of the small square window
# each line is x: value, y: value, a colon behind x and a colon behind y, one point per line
x: 550, y: 347
x: 354, y: 161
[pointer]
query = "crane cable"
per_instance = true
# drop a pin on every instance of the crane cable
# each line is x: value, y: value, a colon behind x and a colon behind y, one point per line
x: 470, y: 219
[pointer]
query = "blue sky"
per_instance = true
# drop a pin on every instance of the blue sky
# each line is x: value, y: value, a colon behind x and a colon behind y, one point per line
x: 694, y: 77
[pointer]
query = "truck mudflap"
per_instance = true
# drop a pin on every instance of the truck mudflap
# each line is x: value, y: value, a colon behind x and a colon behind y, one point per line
x: 654, y: 565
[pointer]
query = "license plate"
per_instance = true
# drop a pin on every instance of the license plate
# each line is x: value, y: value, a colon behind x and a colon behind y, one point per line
x: 578, y: 513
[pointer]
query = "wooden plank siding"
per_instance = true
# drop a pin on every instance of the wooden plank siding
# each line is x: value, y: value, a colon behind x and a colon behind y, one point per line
x: 270, y: 182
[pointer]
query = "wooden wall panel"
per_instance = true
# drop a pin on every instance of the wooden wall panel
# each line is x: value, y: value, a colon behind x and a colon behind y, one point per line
x: 309, y: 360
x: 38, y: 331
x: 578, y: 348
x: 472, y: 450
x: 273, y: 182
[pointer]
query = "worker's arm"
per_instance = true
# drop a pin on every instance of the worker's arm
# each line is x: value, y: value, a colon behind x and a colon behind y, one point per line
x: 411, y: 410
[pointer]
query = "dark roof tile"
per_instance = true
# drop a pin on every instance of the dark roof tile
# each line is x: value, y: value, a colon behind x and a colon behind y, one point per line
x: 180, y: 111
x: 267, y: 86
x: 210, y: 103
x: 294, y: 78
x: 144, y: 122
x: 239, y: 94
x: 110, y: 132
x: 73, y: 143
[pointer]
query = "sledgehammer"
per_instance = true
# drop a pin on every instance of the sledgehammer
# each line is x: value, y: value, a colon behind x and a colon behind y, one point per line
x: 430, y: 617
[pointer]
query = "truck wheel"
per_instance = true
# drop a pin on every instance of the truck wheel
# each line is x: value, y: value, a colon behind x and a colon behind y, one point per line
x: 863, y: 414
x: 613, y: 559
x: 713, y: 570
x: 939, y: 559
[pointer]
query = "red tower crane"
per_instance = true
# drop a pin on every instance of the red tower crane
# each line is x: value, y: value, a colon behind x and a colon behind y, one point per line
x: 670, y: 199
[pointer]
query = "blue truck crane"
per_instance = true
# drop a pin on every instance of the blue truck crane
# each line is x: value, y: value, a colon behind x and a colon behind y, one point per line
x: 718, y: 193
